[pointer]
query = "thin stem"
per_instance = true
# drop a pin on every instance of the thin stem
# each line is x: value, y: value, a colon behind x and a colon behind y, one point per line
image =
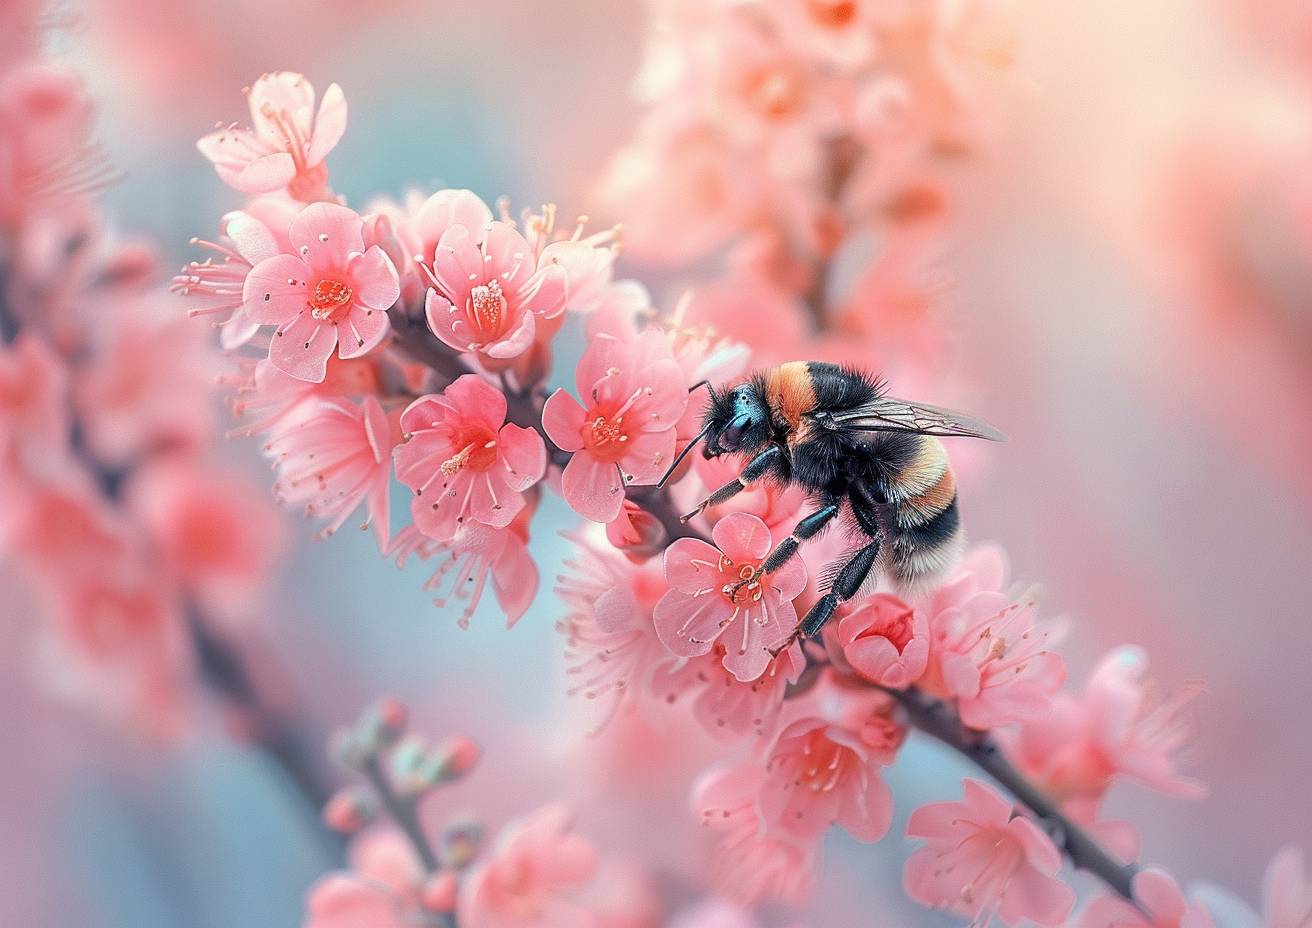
x: 939, y: 721
x: 402, y: 811
x: 844, y: 153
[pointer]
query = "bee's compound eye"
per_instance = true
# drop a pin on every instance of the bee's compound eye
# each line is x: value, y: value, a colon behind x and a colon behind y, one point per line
x: 733, y: 434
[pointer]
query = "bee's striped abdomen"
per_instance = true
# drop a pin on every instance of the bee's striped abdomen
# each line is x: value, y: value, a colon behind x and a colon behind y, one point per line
x: 924, y: 535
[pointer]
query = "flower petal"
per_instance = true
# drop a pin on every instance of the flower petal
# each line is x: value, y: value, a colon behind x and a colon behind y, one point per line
x: 329, y: 125
x: 302, y: 348
x: 562, y: 418
x: 275, y: 290
x: 592, y: 488
x: 374, y: 279
x: 325, y: 235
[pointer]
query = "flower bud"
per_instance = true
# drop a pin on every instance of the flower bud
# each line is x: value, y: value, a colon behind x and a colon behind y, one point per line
x: 408, y: 759
x: 383, y: 723
x: 460, y: 841
x: 438, y: 893
x: 349, y: 810
x: 454, y: 757
x: 637, y: 533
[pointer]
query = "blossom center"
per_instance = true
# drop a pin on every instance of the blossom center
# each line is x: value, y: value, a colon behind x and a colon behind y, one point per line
x: 775, y: 93
x: 330, y: 300
x: 825, y: 762
x: 487, y: 307
x: 896, y: 628
x: 747, y: 590
x: 478, y: 452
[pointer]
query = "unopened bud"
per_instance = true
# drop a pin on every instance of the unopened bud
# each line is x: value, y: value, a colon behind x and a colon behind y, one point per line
x: 454, y: 757
x: 637, y: 533
x: 460, y: 842
x: 383, y: 723
x: 349, y: 810
x: 438, y: 893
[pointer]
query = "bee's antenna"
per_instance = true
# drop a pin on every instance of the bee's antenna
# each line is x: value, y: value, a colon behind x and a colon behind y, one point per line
x: 699, y: 384
x: 678, y: 458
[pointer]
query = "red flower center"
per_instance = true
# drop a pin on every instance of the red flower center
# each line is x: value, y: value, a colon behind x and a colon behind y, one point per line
x: 895, y: 624
x: 826, y: 762
x: 742, y: 594
x: 330, y: 299
x: 834, y: 14
x: 478, y: 452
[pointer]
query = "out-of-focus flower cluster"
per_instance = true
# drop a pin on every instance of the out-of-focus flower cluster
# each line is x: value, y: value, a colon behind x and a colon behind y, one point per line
x: 399, y: 876
x: 124, y: 529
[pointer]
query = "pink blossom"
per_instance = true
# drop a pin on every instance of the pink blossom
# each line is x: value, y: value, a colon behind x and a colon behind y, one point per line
x: 246, y: 240
x: 528, y: 877
x: 703, y: 602
x: 1112, y: 730
x: 1287, y: 891
x: 216, y: 534
x: 464, y: 461
x: 331, y: 293
x: 409, y: 231
x: 336, y: 456
x: 820, y: 774
x: 288, y: 142
x: 45, y: 156
x: 148, y: 386
x: 885, y: 641
x: 385, y: 888
x: 982, y: 861
x: 490, y: 292
x: 726, y: 707
x: 1158, y: 903
x: 987, y: 653
x: 635, y: 394
x: 269, y: 395
x: 776, y: 504
x: 611, y: 651
x: 475, y: 554
x: 753, y: 861
x: 33, y: 397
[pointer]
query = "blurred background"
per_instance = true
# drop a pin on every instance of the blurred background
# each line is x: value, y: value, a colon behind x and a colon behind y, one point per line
x: 1130, y: 286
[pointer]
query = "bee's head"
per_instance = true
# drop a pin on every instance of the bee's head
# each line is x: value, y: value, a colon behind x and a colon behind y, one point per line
x: 737, y: 420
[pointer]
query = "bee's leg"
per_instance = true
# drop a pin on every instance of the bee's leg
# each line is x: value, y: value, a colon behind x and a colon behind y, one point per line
x: 850, y: 577
x: 807, y: 528
x: 756, y: 468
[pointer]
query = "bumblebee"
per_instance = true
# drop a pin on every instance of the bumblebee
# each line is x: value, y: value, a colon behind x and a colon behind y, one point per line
x: 864, y: 456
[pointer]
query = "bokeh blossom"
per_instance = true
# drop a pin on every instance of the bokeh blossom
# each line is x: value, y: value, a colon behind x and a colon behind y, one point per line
x: 1158, y: 903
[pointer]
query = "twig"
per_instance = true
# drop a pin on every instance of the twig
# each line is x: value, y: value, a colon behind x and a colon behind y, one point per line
x: 402, y: 811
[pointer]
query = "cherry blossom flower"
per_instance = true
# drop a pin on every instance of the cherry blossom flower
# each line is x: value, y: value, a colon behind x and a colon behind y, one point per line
x: 726, y: 707
x: 216, y: 534
x: 529, y: 875
x: 384, y: 888
x: 820, y: 774
x: 33, y: 396
x: 288, y: 142
x: 705, y: 600
x: 246, y: 240
x: 147, y: 387
x: 409, y: 231
x: 464, y: 461
x: 986, y: 653
x: 885, y: 641
x: 46, y: 160
x: 263, y: 391
x: 490, y: 292
x: 330, y: 294
x: 983, y: 862
x: 1112, y: 730
x: 634, y: 395
x: 753, y: 861
x: 611, y: 651
x: 475, y: 554
x: 332, y: 459
x: 1158, y: 903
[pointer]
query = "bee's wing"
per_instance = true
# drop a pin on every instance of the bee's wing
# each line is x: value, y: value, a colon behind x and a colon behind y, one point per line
x: 889, y: 414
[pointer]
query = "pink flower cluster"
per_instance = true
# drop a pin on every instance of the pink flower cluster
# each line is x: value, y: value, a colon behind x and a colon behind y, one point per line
x: 123, y: 531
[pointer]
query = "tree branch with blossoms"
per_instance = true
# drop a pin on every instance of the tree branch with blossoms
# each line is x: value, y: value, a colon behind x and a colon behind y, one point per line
x: 415, y: 340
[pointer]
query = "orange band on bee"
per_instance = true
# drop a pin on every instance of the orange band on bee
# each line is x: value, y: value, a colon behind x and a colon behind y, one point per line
x: 789, y: 391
